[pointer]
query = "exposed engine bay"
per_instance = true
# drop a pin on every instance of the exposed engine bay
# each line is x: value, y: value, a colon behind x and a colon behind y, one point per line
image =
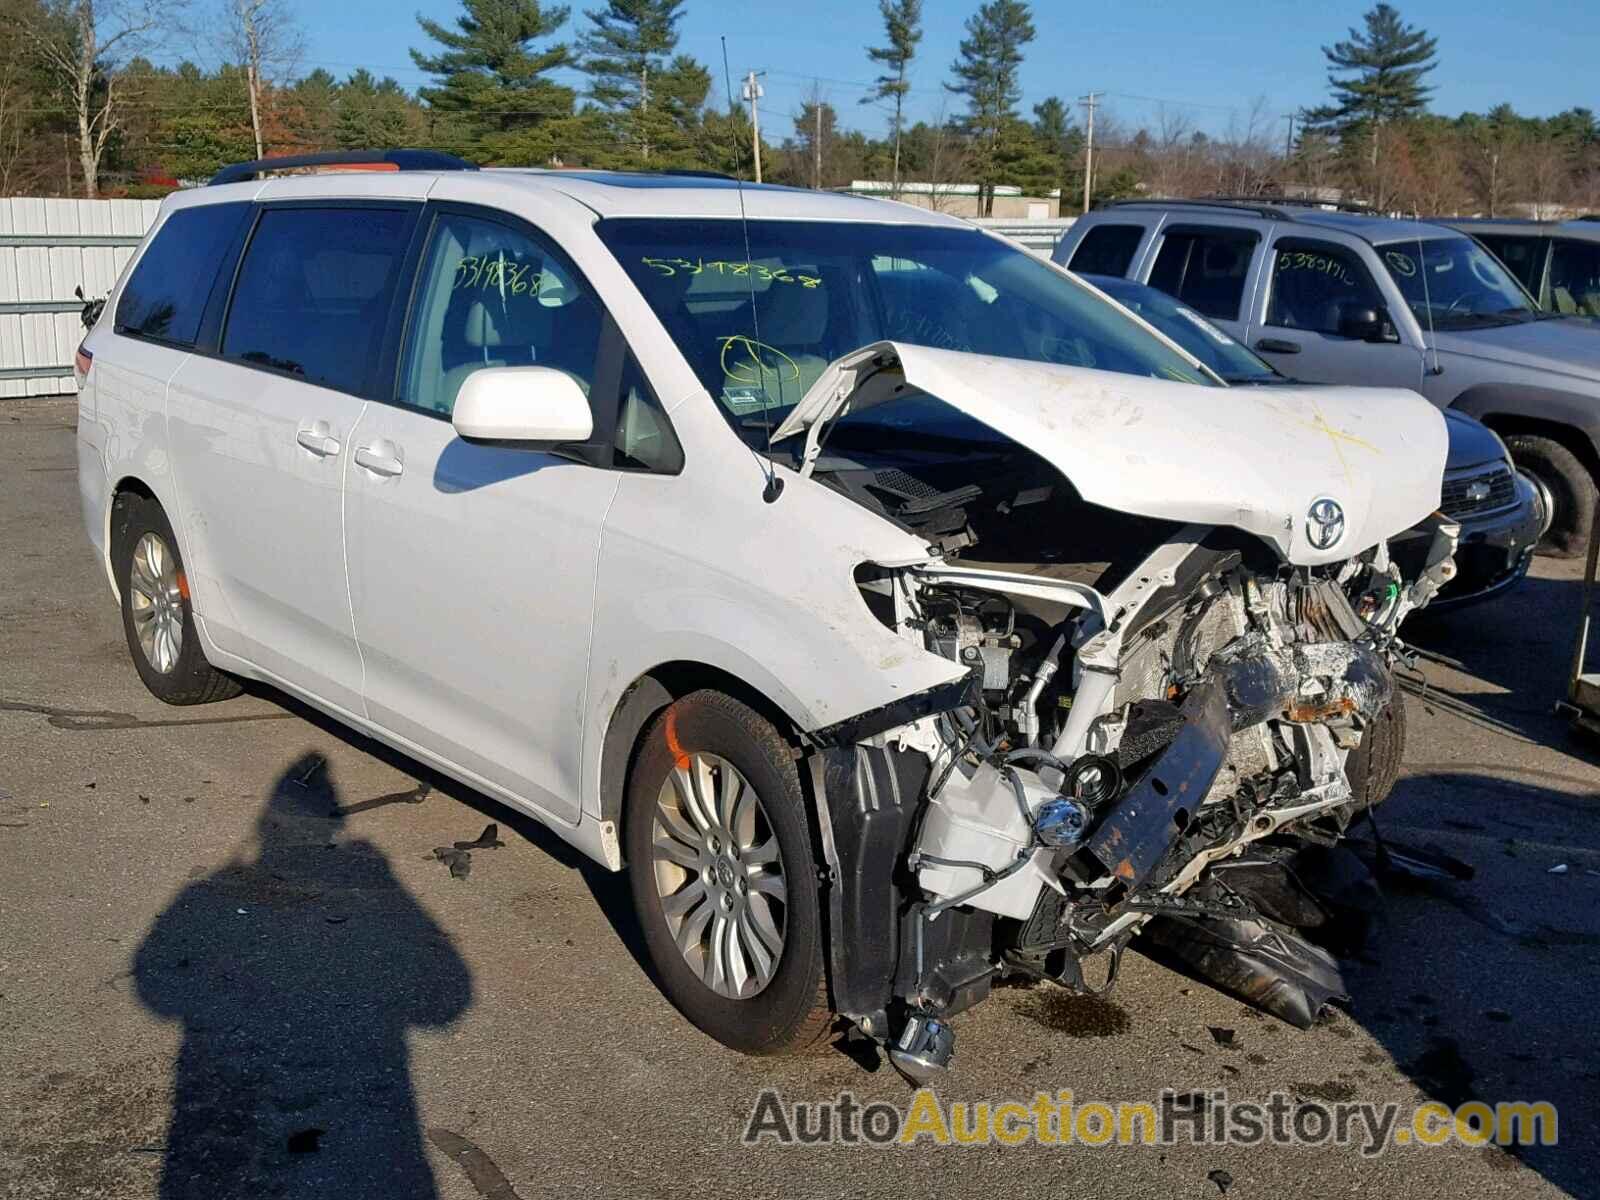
x: 1144, y: 703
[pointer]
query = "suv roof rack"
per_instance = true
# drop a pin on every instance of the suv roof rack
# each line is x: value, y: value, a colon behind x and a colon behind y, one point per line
x: 1303, y: 202
x: 399, y: 160
x: 1274, y: 208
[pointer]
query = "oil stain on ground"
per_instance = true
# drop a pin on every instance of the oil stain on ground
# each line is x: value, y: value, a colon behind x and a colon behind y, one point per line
x: 1076, y: 1016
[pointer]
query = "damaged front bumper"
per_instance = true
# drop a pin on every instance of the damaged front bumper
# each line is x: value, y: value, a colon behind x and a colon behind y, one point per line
x: 976, y: 830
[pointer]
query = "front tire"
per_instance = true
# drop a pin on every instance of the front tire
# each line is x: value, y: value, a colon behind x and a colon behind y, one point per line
x: 724, y: 878
x: 157, y: 616
x: 1570, y: 486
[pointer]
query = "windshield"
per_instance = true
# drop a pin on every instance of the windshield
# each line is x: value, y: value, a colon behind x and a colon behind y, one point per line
x: 1189, y: 329
x: 821, y: 289
x: 1460, y: 286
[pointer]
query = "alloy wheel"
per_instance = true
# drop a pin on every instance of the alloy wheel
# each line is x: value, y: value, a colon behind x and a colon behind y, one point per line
x: 156, y: 602
x: 719, y: 873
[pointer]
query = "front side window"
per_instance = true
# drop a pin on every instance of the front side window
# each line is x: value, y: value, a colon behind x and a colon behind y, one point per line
x: 1318, y: 286
x: 1205, y: 268
x: 759, y: 324
x: 167, y: 293
x: 1454, y: 283
x: 1107, y: 250
x: 491, y: 295
x: 1575, y: 278
x: 314, y: 292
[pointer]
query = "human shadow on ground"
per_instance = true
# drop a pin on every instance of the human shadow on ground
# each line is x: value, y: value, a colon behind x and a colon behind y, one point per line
x: 296, y: 972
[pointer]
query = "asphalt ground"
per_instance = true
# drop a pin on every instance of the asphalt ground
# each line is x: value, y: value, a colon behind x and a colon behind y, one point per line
x: 230, y: 964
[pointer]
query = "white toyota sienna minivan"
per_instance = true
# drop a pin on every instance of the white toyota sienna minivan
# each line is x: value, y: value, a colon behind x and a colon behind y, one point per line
x: 899, y: 612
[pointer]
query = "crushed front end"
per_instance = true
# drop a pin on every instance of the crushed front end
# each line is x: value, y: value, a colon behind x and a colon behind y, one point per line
x: 1127, y: 738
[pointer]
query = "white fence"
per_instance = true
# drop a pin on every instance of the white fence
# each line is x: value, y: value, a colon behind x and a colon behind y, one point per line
x: 50, y: 247
x: 47, y: 248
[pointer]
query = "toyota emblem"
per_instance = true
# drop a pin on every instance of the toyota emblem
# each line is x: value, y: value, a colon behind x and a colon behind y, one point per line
x: 1324, y: 523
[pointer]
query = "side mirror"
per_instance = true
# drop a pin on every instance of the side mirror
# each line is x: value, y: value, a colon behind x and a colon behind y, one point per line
x: 1366, y: 324
x: 536, y: 407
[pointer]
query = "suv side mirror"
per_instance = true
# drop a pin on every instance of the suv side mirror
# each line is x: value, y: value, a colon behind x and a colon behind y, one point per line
x: 535, y: 407
x: 1367, y: 324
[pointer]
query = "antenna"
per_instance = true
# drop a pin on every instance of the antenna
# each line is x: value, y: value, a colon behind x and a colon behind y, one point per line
x: 1427, y: 303
x: 774, y: 487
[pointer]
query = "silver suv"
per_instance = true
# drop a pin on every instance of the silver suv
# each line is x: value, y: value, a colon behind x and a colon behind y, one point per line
x: 1557, y: 261
x: 1355, y: 298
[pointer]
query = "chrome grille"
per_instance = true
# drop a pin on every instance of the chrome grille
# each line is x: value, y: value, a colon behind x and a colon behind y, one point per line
x: 1478, y: 491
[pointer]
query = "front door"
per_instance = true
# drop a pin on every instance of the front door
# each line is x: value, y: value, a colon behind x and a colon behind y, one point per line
x: 260, y: 437
x: 1316, y: 289
x: 472, y: 567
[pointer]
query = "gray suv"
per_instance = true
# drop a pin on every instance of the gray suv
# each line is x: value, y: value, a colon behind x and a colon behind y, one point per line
x: 1557, y: 261
x: 1354, y: 298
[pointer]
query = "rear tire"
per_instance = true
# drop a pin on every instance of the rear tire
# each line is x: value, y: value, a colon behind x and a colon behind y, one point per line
x: 723, y: 874
x: 157, y: 616
x: 1571, y: 487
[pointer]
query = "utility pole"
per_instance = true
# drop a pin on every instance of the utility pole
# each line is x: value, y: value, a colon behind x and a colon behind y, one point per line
x: 1089, y: 102
x: 816, y: 144
x: 752, y: 93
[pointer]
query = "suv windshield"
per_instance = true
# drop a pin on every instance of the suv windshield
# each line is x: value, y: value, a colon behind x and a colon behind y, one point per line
x: 1189, y: 329
x: 1460, y: 285
x: 819, y: 289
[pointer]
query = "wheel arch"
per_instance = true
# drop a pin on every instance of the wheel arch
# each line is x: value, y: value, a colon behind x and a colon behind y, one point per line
x: 1572, y: 420
x: 644, y: 699
x: 128, y: 485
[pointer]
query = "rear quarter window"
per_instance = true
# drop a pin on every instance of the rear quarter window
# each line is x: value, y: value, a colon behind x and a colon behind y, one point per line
x: 1107, y: 250
x: 166, y: 295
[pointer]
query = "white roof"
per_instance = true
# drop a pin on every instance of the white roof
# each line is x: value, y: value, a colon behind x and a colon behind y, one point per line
x: 606, y: 193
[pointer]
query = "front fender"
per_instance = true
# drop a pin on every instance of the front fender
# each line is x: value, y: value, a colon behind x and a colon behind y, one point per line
x: 1553, y: 406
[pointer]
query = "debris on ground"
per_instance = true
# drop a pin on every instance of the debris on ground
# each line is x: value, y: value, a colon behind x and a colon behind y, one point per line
x: 1558, y: 869
x: 1221, y: 1178
x: 1221, y: 1036
x: 305, y: 1141
x: 458, y: 856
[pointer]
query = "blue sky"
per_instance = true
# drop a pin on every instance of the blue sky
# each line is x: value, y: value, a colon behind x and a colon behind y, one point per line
x: 1210, y: 60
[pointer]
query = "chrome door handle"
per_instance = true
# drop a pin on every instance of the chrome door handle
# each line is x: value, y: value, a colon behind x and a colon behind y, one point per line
x: 378, y: 462
x: 321, y: 444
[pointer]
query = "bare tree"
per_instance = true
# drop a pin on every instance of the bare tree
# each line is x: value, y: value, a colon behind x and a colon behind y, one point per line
x: 1172, y: 153
x: 13, y: 97
x: 1546, y: 174
x: 103, y: 34
x: 1437, y: 186
x: 947, y: 162
x: 262, y: 37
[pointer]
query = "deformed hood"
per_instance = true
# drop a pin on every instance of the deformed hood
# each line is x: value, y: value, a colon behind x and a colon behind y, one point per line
x: 1260, y: 459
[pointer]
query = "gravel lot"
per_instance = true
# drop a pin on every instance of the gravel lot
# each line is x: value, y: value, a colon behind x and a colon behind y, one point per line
x: 192, y: 946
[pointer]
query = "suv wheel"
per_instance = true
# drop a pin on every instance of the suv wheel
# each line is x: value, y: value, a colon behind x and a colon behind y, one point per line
x: 1569, y: 485
x: 156, y: 614
x: 723, y: 876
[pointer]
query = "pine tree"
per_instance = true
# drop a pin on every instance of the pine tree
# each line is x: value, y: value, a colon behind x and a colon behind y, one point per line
x: 1389, y: 60
x: 490, y: 79
x: 986, y: 74
x: 652, y: 102
x: 902, y: 24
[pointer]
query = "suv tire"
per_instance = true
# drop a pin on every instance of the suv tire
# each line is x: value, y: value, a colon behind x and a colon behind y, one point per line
x: 1570, y: 485
x: 723, y: 874
x: 157, y: 617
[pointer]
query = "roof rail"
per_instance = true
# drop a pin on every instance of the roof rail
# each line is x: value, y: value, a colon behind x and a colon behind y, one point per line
x: 1260, y: 210
x: 398, y: 160
x: 1302, y: 202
